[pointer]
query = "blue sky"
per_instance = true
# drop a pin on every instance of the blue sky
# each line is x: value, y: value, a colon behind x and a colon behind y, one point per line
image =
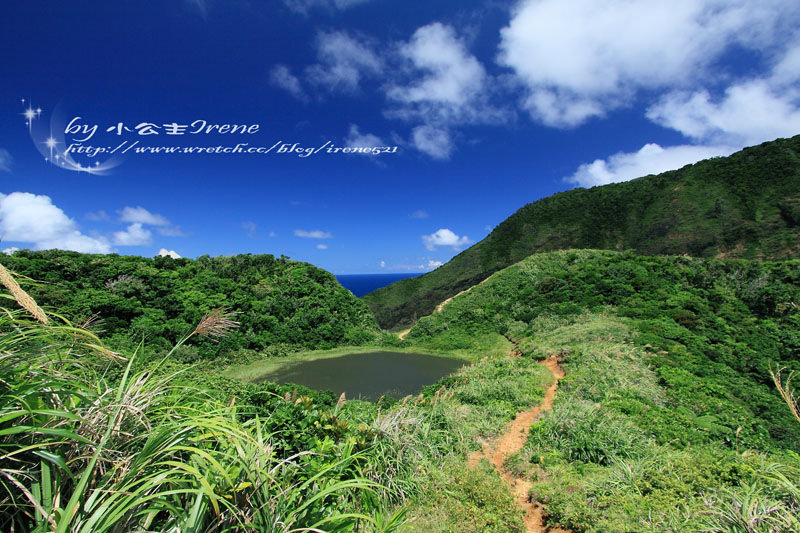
x: 491, y: 105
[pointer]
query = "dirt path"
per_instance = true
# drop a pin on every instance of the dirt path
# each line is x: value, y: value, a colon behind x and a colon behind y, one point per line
x: 402, y: 334
x: 511, y: 441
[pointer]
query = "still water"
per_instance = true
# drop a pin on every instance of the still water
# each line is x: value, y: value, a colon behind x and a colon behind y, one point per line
x: 368, y: 375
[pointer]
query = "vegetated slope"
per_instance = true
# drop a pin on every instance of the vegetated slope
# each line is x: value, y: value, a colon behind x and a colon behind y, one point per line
x: 281, y: 304
x: 667, y: 416
x: 745, y: 205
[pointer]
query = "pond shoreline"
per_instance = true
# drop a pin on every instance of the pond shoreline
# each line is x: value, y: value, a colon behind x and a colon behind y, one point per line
x: 368, y: 373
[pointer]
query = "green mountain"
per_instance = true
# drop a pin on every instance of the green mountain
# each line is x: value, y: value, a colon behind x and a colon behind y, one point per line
x: 746, y: 205
x: 668, y: 418
x: 282, y: 305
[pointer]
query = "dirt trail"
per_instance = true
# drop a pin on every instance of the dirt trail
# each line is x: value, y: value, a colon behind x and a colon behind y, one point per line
x: 511, y: 441
x: 402, y: 334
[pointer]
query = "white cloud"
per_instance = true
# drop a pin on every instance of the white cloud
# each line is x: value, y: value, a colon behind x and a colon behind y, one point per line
x: 168, y: 253
x: 419, y: 214
x: 282, y: 77
x: 444, y: 83
x: 433, y: 141
x: 749, y: 113
x: 580, y: 58
x: 322, y: 247
x: 142, y: 216
x: 357, y: 139
x: 787, y: 70
x: 445, y: 237
x: 31, y: 218
x: 77, y: 242
x: 440, y: 85
x: 451, y: 76
x: 650, y: 159
x: 133, y: 235
x: 343, y: 62
x: 383, y: 264
x: 5, y: 160
x: 313, y: 234
x: 434, y: 264
x: 11, y: 250
x: 272, y: 234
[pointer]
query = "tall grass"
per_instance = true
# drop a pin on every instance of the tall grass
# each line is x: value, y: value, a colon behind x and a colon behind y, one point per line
x: 80, y: 453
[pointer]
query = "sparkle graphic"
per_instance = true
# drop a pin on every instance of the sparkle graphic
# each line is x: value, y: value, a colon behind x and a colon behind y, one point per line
x: 29, y: 115
x: 55, y: 148
x: 51, y: 143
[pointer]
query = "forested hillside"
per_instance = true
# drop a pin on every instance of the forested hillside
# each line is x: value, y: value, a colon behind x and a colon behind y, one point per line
x: 668, y: 414
x: 745, y: 205
x: 281, y: 304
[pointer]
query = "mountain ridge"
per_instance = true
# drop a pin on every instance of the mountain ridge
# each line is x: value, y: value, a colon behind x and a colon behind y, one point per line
x: 745, y: 205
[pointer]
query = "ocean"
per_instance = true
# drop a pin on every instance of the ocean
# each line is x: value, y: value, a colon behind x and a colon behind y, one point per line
x: 361, y: 284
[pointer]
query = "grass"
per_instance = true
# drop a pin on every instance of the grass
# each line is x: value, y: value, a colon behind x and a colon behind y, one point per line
x: 598, y: 467
x: 82, y: 454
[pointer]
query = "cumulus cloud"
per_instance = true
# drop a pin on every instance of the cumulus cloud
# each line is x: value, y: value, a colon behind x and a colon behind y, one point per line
x: 322, y: 247
x: 441, y: 82
x: 433, y: 141
x: 343, y: 62
x: 434, y: 264
x: 32, y: 218
x: 451, y: 76
x: 357, y: 139
x: 5, y: 160
x: 650, y: 159
x: 133, y: 235
x: 445, y: 237
x: 168, y: 253
x: 748, y: 113
x: 142, y: 216
x: 280, y: 76
x: 440, y: 85
x: 419, y: 214
x: 580, y: 58
x: 10, y: 250
x: 312, y: 234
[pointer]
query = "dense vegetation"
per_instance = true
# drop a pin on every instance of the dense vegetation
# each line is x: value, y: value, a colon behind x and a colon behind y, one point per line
x: 91, y: 442
x: 281, y: 305
x: 668, y: 418
x: 746, y: 205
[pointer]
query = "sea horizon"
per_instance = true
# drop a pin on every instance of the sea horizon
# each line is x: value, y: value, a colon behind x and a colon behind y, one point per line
x: 361, y: 284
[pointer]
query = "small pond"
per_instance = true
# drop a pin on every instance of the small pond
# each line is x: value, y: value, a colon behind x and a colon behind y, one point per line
x: 368, y: 375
